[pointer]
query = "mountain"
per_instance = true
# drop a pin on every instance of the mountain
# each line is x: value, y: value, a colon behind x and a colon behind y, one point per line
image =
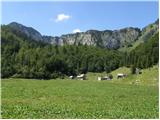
x: 52, y: 40
x: 25, y: 53
x: 111, y: 39
x: 32, y: 34
x: 146, y: 33
x: 27, y: 31
x: 106, y: 39
x: 116, y: 39
x: 150, y: 30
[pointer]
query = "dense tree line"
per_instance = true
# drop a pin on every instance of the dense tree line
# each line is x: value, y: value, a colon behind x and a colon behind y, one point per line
x: 26, y: 58
x: 145, y: 55
x: 22, y: 57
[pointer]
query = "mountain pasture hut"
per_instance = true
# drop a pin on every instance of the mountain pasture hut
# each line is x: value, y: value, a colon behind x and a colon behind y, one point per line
x: 71, y: 77
x: 104, y: 78
x: 81, y: 77
x: 121, y: 75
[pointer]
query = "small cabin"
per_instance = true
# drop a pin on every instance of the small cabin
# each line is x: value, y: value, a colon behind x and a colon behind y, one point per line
x: 104, y: 78
x: 81, y: 77
x: 71, y: 77
x: 121, y: 75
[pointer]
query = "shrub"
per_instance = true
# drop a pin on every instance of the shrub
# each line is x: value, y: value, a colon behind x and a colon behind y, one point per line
x: 110, y: 76
x: 133, y: 69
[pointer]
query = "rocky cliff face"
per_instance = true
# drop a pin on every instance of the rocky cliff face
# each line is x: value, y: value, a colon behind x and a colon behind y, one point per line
x: 52, y: 40
x: 112, y: 39
x: 108, y: 39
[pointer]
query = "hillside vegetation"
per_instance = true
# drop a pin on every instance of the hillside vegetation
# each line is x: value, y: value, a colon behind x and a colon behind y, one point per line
x: 148, y: 77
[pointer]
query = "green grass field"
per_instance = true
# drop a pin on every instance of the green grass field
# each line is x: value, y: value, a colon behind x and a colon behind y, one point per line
x: 66, y: 98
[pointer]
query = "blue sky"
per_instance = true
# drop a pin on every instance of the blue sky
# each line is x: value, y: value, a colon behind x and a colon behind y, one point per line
x: 57, y: 18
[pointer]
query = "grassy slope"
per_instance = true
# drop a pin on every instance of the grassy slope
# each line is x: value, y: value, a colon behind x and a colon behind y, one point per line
x: 148, y: 76
x: 81, y: 99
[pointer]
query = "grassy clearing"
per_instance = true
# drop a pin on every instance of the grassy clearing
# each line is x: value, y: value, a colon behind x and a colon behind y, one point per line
x: 148, y: 77
x: 23, y: 98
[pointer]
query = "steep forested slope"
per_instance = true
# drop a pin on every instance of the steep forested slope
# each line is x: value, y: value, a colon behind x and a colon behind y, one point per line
x: 22, y: 56
x: 144, y: 55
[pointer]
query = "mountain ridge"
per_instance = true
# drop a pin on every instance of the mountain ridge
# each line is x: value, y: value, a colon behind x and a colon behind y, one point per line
x: 24, y: 57
x: 111, y: 39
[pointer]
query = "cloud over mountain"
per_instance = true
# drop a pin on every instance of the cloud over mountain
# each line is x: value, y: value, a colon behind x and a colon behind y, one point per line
x: 76, y: 30
x: 62, y: 17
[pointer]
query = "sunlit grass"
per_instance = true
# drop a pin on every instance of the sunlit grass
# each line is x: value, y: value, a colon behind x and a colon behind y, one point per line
x: 23, y: 98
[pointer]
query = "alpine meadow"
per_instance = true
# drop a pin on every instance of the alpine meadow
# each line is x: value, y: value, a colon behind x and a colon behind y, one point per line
x: 90, y: 73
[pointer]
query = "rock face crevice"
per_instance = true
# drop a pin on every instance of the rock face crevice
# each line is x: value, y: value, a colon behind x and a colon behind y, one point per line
x: 107, y: 39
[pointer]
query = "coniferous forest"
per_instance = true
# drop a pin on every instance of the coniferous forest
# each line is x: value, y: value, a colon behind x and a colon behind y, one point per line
x: 25, y: 58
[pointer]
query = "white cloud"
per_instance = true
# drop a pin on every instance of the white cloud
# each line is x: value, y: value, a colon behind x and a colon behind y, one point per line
x: 76, y: 30
x: 62, y: 17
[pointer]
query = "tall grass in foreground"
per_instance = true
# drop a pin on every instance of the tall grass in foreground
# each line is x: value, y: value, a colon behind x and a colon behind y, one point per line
x: 77, y: 99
